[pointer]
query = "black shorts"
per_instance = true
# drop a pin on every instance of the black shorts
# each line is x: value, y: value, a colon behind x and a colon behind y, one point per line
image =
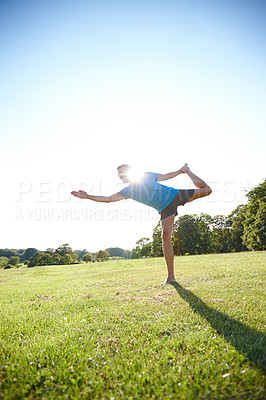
x: 180, y: 199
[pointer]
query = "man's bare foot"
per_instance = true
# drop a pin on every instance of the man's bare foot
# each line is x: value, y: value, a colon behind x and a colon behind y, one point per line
x: 167, y: 281
x: 184, y: 169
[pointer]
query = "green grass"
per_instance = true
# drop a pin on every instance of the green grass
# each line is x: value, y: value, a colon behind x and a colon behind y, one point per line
x: 110, y: 331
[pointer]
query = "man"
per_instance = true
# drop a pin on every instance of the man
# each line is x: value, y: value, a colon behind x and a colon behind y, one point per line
x: 164, y: 199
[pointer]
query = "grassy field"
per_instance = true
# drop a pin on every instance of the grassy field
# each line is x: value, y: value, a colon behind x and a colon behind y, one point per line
x: 111, y: 331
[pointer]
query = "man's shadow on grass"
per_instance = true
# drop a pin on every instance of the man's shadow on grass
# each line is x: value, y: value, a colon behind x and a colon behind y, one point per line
x: 246, y: 341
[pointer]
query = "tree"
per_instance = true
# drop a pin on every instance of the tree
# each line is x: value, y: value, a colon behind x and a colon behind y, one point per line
x: 14, y: 260
x: 40, y: 259
x: 135, y: 253
x: 50, y: 251
x: 34, y: 260
x: 115, y: 251
x: 37, y: 259
x: 102, y: 255
x: 3, y: 261
x: 81, y: 253
x: 188, y: 234
x: 57, y: 259
x: 87, y: 257
x: 236, y: 229
x: 45, y: 259
x: 254, y: 236
x: 156, y: 249
x: 192, y: 234
x: 127, y: 254
x: 143, y: 248
x: 74, y: 256
x: 204, y: 222
x: 220, y: 234
x: 67, y: 259
x: 8, y: 253
x: 28, y: 253
x: 64, y: 249
x: 19, y: 253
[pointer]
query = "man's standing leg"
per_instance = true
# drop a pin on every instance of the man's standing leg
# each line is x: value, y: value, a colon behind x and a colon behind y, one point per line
x: 167, y: 224
x: 167, y: 228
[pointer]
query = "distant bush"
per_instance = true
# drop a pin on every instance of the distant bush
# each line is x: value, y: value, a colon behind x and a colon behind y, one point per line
x: 3, y: 261
x: 14, y: 260
x: 87, y: 257
x: 8, y: 266
x: 63, y: 255
x: 102, y: 255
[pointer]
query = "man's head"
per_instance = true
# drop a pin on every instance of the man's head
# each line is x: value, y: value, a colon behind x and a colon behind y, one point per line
x: 123, y: 171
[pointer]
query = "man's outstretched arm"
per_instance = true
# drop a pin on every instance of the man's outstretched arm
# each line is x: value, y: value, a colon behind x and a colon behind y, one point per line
x: 103, y: 199
x: 170, y: 175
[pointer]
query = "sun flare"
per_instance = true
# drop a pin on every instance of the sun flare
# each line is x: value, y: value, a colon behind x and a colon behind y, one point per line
x: 135, y: 175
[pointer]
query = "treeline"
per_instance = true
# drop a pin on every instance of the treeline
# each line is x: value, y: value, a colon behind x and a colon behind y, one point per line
x: 63, y: 255
x: 31, y: 256
x: 244, y: 229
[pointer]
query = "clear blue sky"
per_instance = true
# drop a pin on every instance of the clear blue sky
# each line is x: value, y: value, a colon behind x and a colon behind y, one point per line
x: 88, y: 85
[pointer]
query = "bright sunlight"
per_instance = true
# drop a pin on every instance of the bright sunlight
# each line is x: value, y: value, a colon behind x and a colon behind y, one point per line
x: 135, y: 175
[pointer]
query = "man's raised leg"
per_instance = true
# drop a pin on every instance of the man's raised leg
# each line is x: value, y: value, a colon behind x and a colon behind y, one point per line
x: 203, y: 189
x: 167, y: 228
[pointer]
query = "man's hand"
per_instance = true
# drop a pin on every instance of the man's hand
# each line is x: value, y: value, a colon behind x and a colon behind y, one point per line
x: 184, y: 169
x: 80, y: 194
